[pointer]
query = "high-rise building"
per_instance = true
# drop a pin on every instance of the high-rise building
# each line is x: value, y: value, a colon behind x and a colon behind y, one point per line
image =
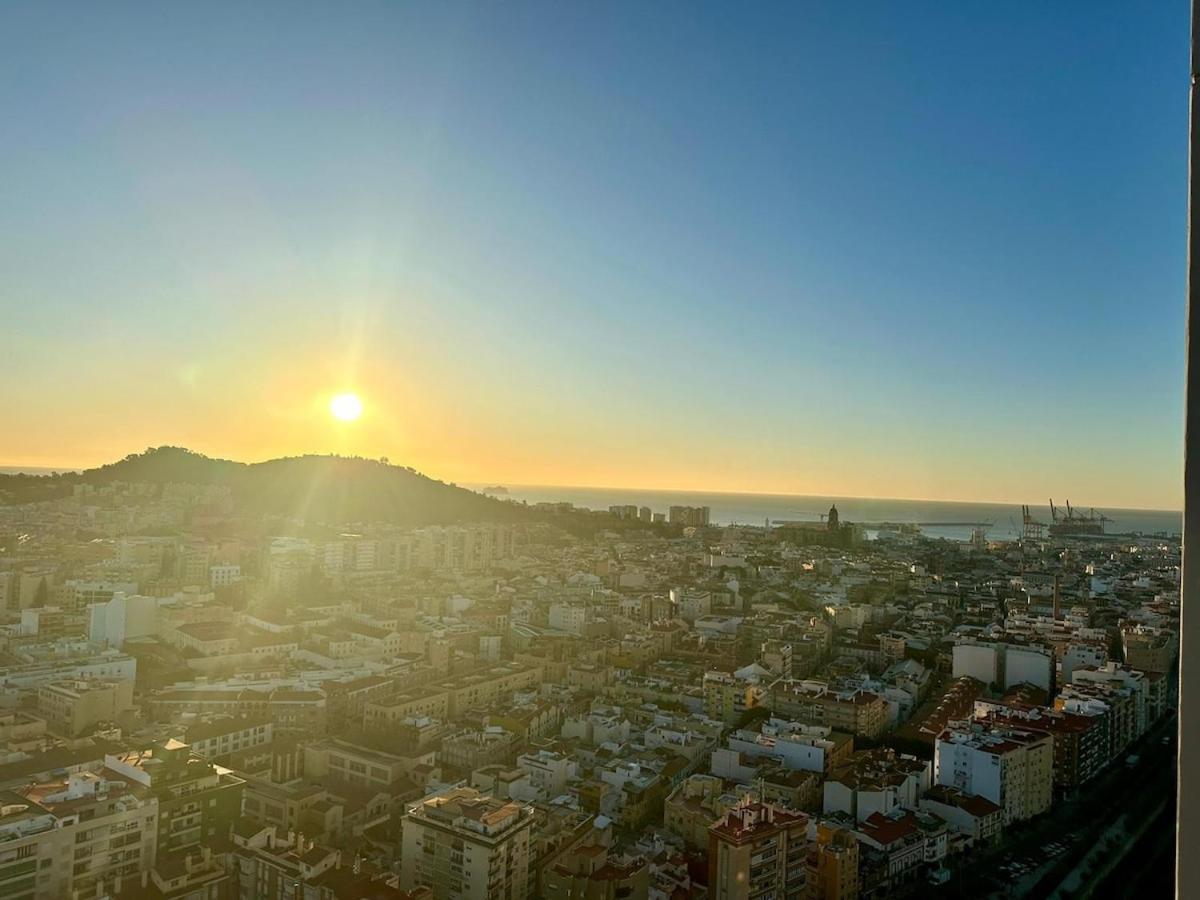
x: 83, y: 836
x: 758, y: 850
x: 688, y: 516
x: 463, y: 844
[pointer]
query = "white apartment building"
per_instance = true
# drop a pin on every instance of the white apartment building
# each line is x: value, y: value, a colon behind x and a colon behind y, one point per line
x: 122, y: 617
x: 876, y: 781
x: 548, y: 772
x: 1011, y: 767
x: 807, y: 748
x: 1004, y: 664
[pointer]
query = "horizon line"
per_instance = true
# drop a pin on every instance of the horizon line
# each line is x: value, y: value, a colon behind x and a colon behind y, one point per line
x: 478, y: 485
x: 692, y: 491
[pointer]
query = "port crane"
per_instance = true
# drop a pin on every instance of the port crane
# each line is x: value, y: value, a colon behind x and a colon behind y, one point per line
x: 1076, y: 522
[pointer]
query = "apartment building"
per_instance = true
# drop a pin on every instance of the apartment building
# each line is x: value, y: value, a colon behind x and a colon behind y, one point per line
x: 978, y: 819
x: 1003, y: 664
x: 76, y: 706
x: 67, y: 660
x: 197, y: 800
x: 290, y: 709
x: 1149, y: 649
x: 1012, y: 767
x: 548, y: 771
x: 27, y: 845
x: 122, y: 617
x: 590, y: 872
x: 758, y: 850
x: 485, y: 688
x: 218, y: 737
x: 833, y: 865
x: 463, y: 844
x: 695, y: 804
x: 1118, y: 677
x: 390, y: 713
x: 875, y: 781
x: 472, y: 748
x: 82, y: 837
x: 78, y: 594
x: 727, y: 696
x: 355, y: 764
x: 809, y: 748
x: 689, y: 516
x: 1082, y: 744
x: 858, y: 712
x: 273, y: 865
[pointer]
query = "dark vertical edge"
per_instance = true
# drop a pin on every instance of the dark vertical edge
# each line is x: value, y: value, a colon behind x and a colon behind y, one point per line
x: 1187, y: 877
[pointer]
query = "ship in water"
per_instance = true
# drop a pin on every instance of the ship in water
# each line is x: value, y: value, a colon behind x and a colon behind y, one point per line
x: 1076, y: 522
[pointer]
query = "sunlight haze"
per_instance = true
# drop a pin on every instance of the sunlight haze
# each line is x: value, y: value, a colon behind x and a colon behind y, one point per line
x: 867, y: 253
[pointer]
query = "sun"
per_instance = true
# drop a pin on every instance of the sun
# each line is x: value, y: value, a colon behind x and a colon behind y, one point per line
x: 346, y: 407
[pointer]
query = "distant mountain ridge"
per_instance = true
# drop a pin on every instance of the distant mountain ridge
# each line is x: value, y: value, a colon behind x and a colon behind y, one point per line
x: 328, y: 489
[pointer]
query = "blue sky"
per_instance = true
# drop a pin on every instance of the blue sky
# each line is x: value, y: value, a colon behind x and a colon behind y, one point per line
x: 927, y: 250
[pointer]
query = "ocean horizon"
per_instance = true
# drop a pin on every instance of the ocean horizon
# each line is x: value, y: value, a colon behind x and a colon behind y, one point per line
x: 757, y: 509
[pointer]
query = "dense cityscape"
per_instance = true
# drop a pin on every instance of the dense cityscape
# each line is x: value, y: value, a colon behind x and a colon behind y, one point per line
x: 621, y: 451
x: 206, y: 699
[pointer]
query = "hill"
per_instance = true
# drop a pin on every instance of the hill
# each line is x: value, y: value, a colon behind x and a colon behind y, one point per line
x: 326, y: 489
x: 319, y: 489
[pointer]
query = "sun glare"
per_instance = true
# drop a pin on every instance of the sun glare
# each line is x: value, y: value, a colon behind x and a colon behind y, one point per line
x: 346, y: 407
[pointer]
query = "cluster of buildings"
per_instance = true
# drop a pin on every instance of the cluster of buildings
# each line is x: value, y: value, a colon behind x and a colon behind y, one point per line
x: 200, y: 703
x: 685, y: 516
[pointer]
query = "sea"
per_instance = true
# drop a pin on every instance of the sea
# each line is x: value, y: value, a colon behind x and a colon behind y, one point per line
x: 957, y: 519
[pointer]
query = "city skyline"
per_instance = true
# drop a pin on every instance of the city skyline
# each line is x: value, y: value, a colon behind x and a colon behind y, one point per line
x: 880, y: 252
x: 542, y: 451
x: 635, y: 489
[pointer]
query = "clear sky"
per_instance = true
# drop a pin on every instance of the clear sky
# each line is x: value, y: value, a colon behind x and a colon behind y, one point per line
x: 881, y: 249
